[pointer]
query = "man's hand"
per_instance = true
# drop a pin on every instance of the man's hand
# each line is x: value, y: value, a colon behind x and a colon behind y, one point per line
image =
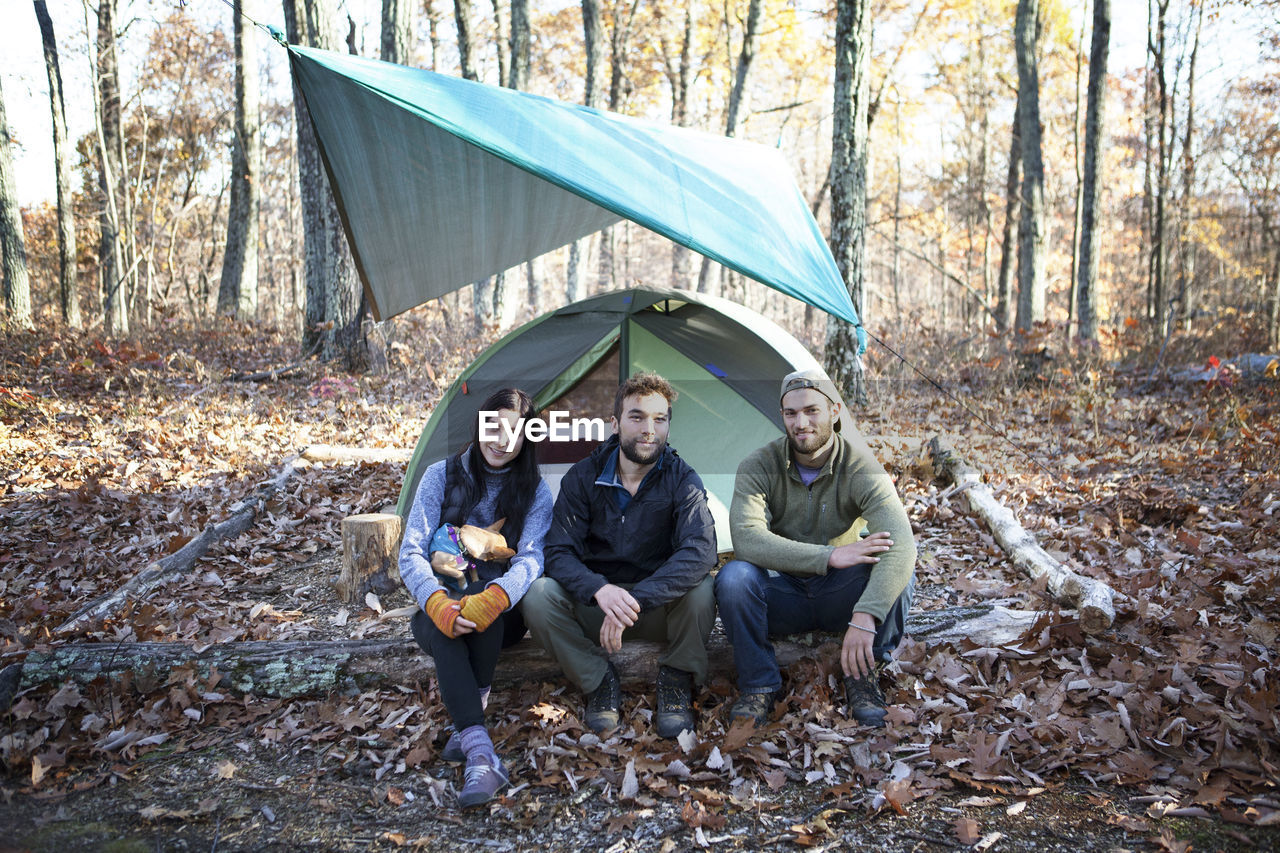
x: 611, y: 635
x: 616, y: 602
x: 862, y: 551
x: 856, y: 656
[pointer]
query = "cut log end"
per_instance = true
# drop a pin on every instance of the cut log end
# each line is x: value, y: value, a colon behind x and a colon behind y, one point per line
x: 370, y: 547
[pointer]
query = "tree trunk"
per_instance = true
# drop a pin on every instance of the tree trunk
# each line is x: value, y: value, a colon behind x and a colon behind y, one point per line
x: 13, y: 249
x: 482, y: 303
x: 1009, y: 235
x: 1094, y: 155
x: 332, y: 288
x: 68, y: 294
x: 1275, y: 300
x: 397, y: 31
x: 238, y: 289
x: 1187, y: 245
x: 466, y: 45
x: 500, y: 40
x: 593, y: 39
x: 519, y: 77
x: 678, y: 77
x: 1079, y: 170
x: 112, y: 261
x: 624, y: 15
x: 849, y: 189
x: 314, y: 667
x: 1031, y: 237
x: 433, y: 33
x: 1159, y: 243
x: 738, y: 92
x: 1092, y: 598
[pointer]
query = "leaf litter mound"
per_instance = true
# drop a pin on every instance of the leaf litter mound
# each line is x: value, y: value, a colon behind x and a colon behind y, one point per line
x: 1148, y: 736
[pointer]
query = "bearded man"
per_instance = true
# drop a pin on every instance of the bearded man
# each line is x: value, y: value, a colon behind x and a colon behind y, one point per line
x: 629, y: 556
x: 822, y: 542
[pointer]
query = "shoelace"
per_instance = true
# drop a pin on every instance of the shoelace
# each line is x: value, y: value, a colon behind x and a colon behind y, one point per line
x: 476, y: 772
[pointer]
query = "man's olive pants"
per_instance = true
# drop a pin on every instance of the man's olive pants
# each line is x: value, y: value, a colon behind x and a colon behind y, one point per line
x: 570, y: 630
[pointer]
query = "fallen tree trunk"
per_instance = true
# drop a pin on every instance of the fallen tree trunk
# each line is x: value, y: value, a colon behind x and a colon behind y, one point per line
x: 242, y: 517
x: 1092, y: 599
x: 301, y: 668
x: 348, y: 455
x: 141, y: 584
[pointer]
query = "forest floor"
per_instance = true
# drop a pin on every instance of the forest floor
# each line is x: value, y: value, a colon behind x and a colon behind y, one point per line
x: 1162, y: 733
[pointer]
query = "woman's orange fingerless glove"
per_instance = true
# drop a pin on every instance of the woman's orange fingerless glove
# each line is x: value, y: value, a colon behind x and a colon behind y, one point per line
x: 443, y: 611
x: 484, y: 607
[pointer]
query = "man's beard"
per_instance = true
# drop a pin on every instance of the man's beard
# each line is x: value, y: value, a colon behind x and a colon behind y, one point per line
x: 628, y: 449
x: 815, y: 440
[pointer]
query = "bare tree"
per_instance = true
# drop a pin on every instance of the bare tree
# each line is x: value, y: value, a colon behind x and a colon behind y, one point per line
x: 397, y: 31
x: 13, y: 250
x: 1187, y: 245
x: 1009, y: 236
x: 678, y: 71
x: 115, y: 269
x: 1159, y: 257
x: 738, y: 92
x: 332, y: 291
x: 68, y: 295
x: 849, y: 139
x: 1094, y: 141
x: 1031, y: 237
x: 624, y: 16
x: 593, y: 41
x: 238, y: 288
x: 466, y: 39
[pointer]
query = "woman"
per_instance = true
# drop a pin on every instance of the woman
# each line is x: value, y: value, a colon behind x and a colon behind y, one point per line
x: 484, y: 482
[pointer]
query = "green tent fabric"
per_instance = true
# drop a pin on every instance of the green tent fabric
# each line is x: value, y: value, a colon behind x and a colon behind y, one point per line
x: 725, y: 360
x: 442, y: 182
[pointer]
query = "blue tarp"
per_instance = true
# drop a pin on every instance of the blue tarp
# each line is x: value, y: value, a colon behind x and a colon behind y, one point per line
x: 443, y: 182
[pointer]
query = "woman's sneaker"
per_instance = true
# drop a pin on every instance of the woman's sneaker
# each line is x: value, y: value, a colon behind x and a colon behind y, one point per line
x: 483, y: 780
x: 452, y: 751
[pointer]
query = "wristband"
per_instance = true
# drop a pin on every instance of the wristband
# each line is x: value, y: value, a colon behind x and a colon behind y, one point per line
x: 860, y: 628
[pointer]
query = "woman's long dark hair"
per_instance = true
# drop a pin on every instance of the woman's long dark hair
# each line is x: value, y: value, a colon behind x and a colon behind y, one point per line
x: 520, y: 483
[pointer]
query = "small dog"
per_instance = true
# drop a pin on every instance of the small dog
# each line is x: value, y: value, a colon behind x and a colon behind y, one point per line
x: 455, y: 550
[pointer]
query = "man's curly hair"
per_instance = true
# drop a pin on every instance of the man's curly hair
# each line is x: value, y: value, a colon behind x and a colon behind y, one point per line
x: 642, y: 385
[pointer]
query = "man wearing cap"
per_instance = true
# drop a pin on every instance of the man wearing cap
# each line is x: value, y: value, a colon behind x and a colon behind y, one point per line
x: 822, y: 542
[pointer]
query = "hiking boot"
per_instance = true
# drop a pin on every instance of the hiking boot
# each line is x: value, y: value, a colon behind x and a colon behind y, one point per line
x: 754, y: 706
x: 483, y: 780
x: 603, y: 702
x: 452, y: 751
x: 675, y: 701
x: 863, y: 699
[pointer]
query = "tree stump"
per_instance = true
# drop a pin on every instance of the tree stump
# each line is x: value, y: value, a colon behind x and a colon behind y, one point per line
x: 370, y: 550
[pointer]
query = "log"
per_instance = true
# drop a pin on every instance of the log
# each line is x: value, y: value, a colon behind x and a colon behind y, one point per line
x: 141, y: 584
x: 370, y: 547
x: 242, y: 517
x: 1092, y: 599
x: 315, y: 667
x: 350, y: 455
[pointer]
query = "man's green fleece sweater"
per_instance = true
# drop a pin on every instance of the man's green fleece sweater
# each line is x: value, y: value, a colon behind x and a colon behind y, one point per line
x: 779, y: 523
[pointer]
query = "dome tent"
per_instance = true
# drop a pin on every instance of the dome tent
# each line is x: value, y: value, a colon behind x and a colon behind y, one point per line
x: 725, y: 360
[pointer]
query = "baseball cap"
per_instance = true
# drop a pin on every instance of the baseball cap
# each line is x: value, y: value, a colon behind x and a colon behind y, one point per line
x: 811, y: 378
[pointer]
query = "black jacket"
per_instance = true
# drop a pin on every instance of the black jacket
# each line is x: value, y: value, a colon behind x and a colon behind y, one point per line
x: 664, y: 544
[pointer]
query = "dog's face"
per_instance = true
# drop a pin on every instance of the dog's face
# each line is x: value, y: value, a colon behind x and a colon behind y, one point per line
x: 485, y: 543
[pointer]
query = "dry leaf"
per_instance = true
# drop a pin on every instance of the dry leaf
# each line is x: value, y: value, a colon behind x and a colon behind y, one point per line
x: 630, y: 785
x: 967, y: 830
x: 224, y: 770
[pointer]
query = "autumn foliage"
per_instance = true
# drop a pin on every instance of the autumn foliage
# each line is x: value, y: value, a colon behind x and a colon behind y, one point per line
x: 117, y: 453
